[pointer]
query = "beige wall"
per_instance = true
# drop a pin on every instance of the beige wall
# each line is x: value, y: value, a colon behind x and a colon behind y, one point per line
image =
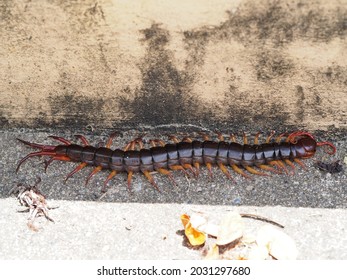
x: 260, y: 64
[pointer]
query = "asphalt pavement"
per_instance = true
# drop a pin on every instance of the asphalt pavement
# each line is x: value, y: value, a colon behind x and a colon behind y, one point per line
x: 144, y: 223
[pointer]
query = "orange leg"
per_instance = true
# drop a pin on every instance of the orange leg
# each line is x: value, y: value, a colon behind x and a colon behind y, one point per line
x: 189, y: 167
x: 204, y: 136
x: 154, y: 142
x: 245, y: 141
x: 300, y: 163
x: 110, y: 139
x: 187, y: 139
x: 279, y: 164
x: 288, y: 162
x: 269, y: 168
x: 109, y: 177
x: 225, y: 171
x: 179, y: 167
x: 209, y: 168
x: 62, y: 158
x: 232, y: 137
x: 240, y: 171
x: 95, y: 170
x: 169, y: 174
x: 78, y: 168
x: 256, y: 172
x: 197, y: 168
x: 151, y: 179
x: 279, y: 137
x: 174, y: 139
x: 220, y: 136
x: 268, y: 139
x: 130, y: 175
x: 256, y: 138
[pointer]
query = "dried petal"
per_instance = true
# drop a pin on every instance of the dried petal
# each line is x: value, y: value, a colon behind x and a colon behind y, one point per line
x: 230, y: 229
x: 194, y: 236
x: 279, y: 244
x: 213, y: 253
x: 258, y: 253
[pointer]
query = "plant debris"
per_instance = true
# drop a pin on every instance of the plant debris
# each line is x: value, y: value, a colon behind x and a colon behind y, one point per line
x: 334, y: 167
x: 35, y: 202
x: 229, y: 239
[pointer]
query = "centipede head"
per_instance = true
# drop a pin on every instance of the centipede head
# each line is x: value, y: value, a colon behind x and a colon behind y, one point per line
x: 308, y: 143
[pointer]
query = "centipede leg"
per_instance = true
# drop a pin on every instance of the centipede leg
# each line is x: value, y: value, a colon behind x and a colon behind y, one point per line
x: 288, y: 162
x: 110, y: 139
x: 300, y: 163
x: 190, y: 168
x: 225, y: 171
x: 220, y: 136
x: 240, y: 171
x: 62, y: 158
x: 130, y: 175
x: 197, y: 168
x: 109, y: 177
x: 95, y: 170
x: 209, y: 168
x: 174, y: 139
x: 268, y: 139
x: 269, y: 168
x: 279, y: 164
x: 168, y: 174
x: 245, y: 141
x: 256, y: 138
x: 78, y: 168
x: 83, y: 139
x: 151, y: 179
x: 254, y: 171
x: 179, y: 167
x: 233, y: 138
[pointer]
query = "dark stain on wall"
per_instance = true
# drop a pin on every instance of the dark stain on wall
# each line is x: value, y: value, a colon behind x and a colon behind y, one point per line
x: 164, y: 95
x: 73, y: 110
x: 272, y: 64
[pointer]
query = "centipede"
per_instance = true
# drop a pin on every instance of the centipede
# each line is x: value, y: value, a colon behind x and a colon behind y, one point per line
x: 278, y: 154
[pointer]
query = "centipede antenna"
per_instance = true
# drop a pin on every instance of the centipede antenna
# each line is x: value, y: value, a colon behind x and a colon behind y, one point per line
x: 34, y: 154
x: 331, y: 145
x: 38, y: 146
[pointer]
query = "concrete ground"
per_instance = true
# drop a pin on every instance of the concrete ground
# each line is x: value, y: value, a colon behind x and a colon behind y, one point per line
x: 144, y: 224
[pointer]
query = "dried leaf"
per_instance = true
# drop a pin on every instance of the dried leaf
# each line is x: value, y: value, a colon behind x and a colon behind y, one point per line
x: 194, y: 236
x: 213, y: 253
x: 230, y: 229
x: 279, y: 244
x: 258, y: 253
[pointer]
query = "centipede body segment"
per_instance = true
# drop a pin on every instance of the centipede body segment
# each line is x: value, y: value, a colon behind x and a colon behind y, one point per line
x: 187, y: 155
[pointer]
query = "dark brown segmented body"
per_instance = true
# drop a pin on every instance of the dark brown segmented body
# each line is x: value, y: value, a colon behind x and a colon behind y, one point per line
x: 184, y: 155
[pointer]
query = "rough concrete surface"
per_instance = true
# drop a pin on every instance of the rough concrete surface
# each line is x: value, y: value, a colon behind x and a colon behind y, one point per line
x: 85, y: 230
x: 263, y: 65
x: 170, y: 67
